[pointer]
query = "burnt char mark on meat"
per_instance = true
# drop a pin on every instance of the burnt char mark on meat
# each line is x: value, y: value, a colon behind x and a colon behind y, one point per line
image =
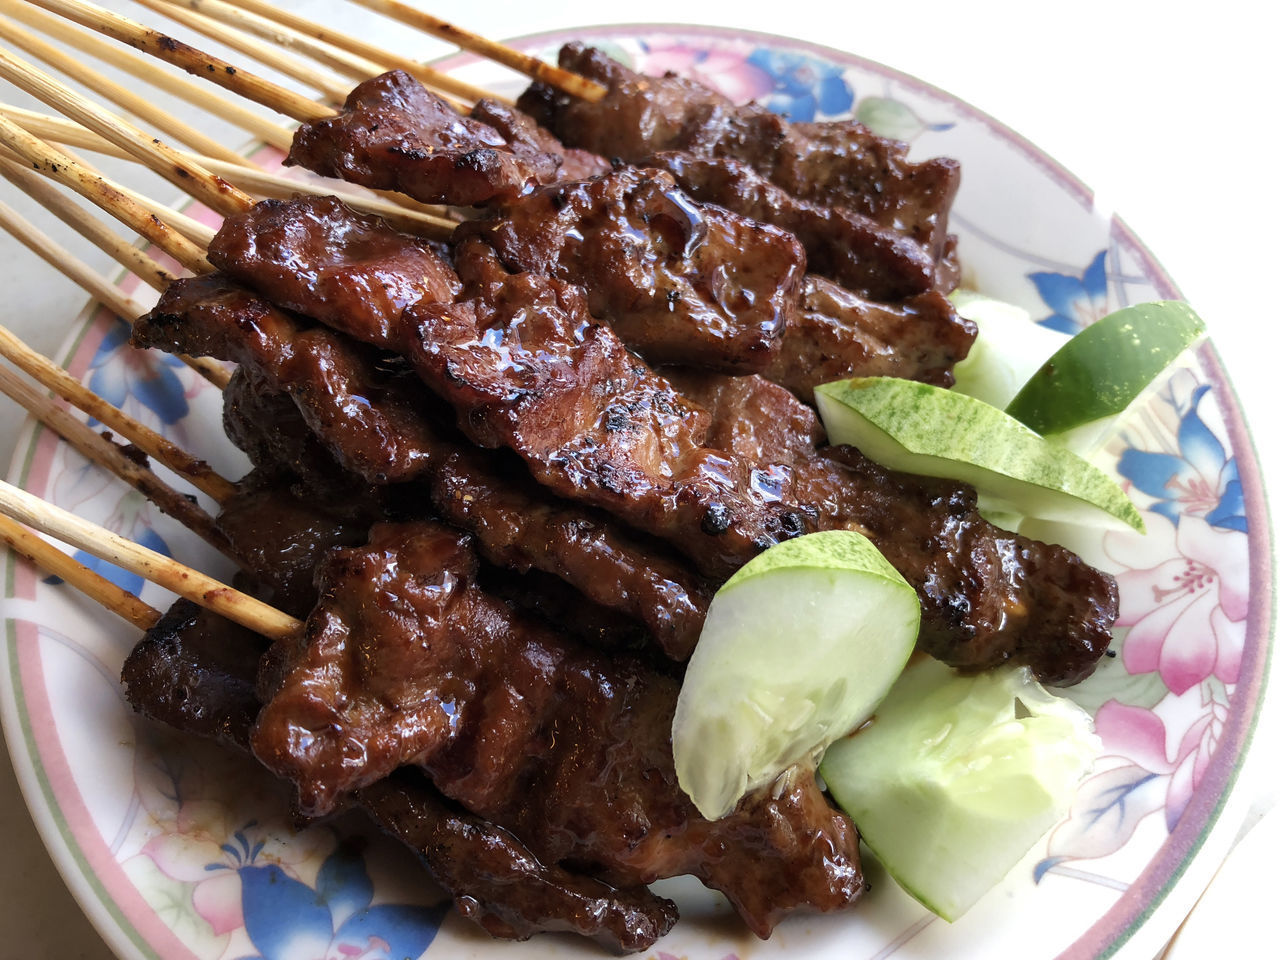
x: 837, y: 334
x: 369, y: 419
x: 874, y: 261
x: 316, y: 256
x: 195, y: 671
x: 839, y: 163
x: 406, y: 661
x: 524, y: 134
x: 679, y: 282
x: 497, y: 883
x: 987, y: 596
x: 526, y: 368
x: 519, y: 526
x: 394, y: 134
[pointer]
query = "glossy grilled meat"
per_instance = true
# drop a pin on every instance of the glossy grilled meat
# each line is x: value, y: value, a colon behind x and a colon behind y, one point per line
x: 522, y: 133
x: 678, y: 281
x: 196, y: 672
x: 840, y: 164
x: 394, y: 134
x: 316, y: 256
x: 500, y: 885
x: 371, y: 419
x: 874, y: 261
x: 987, y: 596
x: 406, y: 661
x: 526, y: 367
x: 837, y: 334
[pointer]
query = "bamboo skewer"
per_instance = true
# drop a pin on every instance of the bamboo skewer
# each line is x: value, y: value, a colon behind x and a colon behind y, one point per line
x: 163, y: 159
x: 258, y: 182
x: 107, y: 454
x: 342, y: 61
x: 187, y: 57
x: 117, y: 94
x: 436, y: 79
x: 94, y: 188
x: 147, y: 70
x: 159, y: 569
x: 94, y: 586
x: 539, y: 70
x: 333, y: 88
x: 88, y: 226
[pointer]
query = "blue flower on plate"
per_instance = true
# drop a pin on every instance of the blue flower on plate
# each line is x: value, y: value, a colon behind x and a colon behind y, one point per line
x: 123, y: 578
x: 288, y: 920
x: 1076, y: 301
x: 119, y: 372
x: 1200, y: 480
x: 803, y: 87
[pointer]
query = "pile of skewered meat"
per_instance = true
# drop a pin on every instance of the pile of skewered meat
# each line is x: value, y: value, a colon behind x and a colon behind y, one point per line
x: 502, y: 477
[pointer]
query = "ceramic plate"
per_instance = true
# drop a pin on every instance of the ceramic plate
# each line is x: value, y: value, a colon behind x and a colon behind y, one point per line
x: 179, y: 851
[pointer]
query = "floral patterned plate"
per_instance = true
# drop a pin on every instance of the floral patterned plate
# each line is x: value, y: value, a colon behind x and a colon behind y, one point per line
x: 179, y: 851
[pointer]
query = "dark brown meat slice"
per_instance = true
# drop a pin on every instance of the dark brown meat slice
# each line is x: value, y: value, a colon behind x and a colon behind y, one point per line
x: 497, y: 883
x: 518, y: 526
x: 316, y: 256
x: 370, y: 420
x: 524, y: 134
x: 874, y: 261
x: 526, y: 368
x: 837, y: 334
x: 837, y: 163
x: 381, y: 426
x: 394, y: 134
x: 406, y: 662
x: 196, y: 672
x: 678, y: 281
x: 987, y: 596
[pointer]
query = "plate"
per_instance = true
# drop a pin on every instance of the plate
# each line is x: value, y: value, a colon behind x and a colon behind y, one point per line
x: 176, y: 850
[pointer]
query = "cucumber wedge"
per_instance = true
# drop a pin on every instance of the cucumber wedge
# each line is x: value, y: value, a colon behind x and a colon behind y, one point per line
x: 799, y: 647
x: 957, y: 776
x: 922, y: 429
x: 1010, y: 348
x: 1104, y: 367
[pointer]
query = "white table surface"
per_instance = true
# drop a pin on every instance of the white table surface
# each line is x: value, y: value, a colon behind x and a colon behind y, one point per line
x: 1165, y: 108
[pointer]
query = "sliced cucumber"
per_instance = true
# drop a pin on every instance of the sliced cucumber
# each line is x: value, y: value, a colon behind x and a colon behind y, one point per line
x: 922, y: 429
x: 1105, y: 366
x: 957, y: 776
x: 1009, y: 349
x: 798, y: 648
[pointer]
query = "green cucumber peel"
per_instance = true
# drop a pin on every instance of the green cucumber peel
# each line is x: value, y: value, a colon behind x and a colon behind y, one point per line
x: 798, y: 648
x: 1101, y: 370
x: 922, y: 429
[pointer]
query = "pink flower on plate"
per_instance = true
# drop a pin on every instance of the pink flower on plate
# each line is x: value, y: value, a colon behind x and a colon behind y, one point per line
x: 1186, y: 611
x: 724, y: 70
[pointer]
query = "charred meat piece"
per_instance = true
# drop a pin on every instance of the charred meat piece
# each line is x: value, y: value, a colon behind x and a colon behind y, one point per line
x: 518, y: 526
x: 316, y: 256
x: 369, y: 418
x: 837, y: 334
x: 406, y: 662
x: 874, y: 261
x: 497, y: 883
x: 524, y: 135
x: 196, y: 672
x: 526, y: 368
x: 987, y: 596
x: 678, y: 281
x: 378, y: 424
x: 840, y: 164
x: 394, y: 134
